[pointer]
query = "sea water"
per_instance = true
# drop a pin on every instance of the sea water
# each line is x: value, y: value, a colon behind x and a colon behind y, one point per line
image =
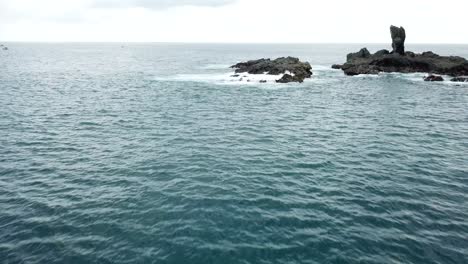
x: 153, y: 153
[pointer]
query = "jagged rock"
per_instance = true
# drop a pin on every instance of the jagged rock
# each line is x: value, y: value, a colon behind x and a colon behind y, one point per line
x: 382, y: 52
x: 460, y: 79
x: 429, y: 54
x: 287, y: 78
x: 337, y: 66
x: 235, y: 75
x: 362, y: 54
x: 398, y: 39
x: 263, y: 81
x: 410, y: 54
x: 433, y: 78
x: 363, y: 62
x: 427, y: 62
x: 293, y: 66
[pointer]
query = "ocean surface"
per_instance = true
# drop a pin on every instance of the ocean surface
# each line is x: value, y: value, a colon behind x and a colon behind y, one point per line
x: 151, y: 153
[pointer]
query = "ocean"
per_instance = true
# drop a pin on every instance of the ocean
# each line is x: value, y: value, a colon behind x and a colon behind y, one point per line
x: 152, y: 153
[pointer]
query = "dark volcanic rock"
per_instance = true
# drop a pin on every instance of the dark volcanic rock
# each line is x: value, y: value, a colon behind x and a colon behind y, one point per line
x: 363, y: 62
x: 398, y: 39
x: 426, y: 62
x: 287, y: 78
x: 433, y: 78
x: 337, y: 66
x: 410, y: 54
x: 298, y: 70
x: 382, y: 52
x: 460, y: 79
x: 362, y: 54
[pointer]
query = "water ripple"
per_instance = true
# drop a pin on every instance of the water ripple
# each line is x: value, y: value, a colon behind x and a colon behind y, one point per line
x: 101, y: 162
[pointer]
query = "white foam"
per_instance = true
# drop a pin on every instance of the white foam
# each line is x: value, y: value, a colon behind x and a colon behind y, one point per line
x: 223, y: 78
x: 419, y: 77
x: 367, y: 76
x: 215, y: 66
x: 322, y: 68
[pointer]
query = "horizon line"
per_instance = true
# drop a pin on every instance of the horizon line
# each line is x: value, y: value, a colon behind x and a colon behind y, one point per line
x: 222, y: 42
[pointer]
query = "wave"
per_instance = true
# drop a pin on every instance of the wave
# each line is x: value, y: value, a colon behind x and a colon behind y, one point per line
x: 261, y: 80
x: 322, y: 74
x: 323, y: 68
x: 419, y: 77
x: 215, y: 66
x: 224, y: 78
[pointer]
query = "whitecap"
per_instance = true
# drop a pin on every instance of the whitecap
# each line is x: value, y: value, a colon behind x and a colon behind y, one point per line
x: 231, y: 78
x: 215, y: 66
x: 418, y: 77
x: 223, y: 78
x: 322, y: 68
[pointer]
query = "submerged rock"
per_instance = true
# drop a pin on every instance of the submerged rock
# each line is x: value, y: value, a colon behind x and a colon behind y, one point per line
x: 433, y: 78
x: 293, y: 69
x: 363, y: 62
x: 460, y: 79
x: 337, y: 66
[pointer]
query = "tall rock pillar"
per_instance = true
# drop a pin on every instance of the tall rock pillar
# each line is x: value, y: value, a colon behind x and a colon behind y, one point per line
x: 398, y: 39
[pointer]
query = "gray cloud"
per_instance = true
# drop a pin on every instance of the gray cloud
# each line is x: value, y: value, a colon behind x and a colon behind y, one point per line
x: 159, y: 4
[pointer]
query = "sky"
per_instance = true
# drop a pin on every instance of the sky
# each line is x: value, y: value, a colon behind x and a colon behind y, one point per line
x: 232, y: 21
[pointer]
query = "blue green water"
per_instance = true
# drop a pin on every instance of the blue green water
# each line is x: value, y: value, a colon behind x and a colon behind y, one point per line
x: 147, y: 154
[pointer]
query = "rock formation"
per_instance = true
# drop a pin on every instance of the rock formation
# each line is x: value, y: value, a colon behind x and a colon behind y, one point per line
x: 433, y: 78
x: 293, y: 69
x: 363, y: 62
x: 398, y: 39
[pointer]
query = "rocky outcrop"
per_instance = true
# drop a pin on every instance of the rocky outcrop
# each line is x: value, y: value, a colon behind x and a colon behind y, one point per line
x: 363, y: 62
x: 291, y: 69
x: 337, y: 66
x: 398, y: 39
x: 433, y: 78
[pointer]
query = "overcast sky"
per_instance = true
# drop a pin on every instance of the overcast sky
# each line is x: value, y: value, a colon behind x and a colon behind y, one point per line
x: 311, y: 21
